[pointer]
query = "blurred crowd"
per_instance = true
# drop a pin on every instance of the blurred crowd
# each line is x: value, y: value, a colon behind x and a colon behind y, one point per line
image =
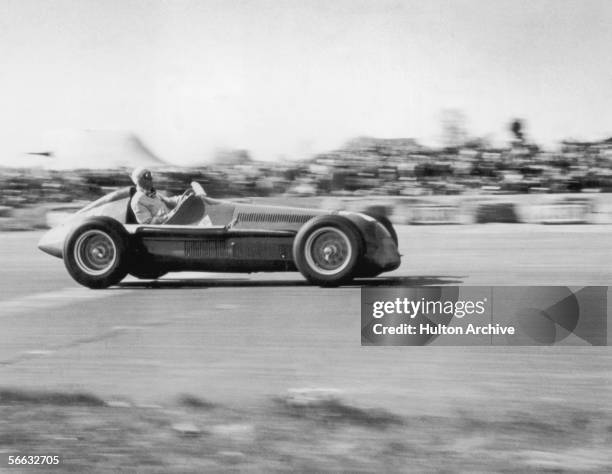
x: 364, y: 166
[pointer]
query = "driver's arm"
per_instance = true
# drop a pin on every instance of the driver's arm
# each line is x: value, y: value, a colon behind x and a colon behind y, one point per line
x: 171, y: 202
x: 159, y: 218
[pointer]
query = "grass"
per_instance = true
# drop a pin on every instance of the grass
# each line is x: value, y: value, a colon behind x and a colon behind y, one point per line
x: 333, y: 411
x: 318, y: 435
x: 191, y: 401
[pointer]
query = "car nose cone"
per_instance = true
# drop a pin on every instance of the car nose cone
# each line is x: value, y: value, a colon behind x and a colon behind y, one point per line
x: 52, y: 242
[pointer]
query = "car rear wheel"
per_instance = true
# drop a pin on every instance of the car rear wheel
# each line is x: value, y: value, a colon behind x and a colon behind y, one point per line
x: 327, y: 250
x: 95, y: 253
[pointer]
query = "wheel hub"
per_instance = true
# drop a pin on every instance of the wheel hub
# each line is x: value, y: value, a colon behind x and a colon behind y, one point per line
x: 99, y: 252
x: 95, y: 252
x: 328, y: 250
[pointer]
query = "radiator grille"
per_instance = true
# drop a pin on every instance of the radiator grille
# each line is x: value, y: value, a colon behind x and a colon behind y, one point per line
x: 273, y: 217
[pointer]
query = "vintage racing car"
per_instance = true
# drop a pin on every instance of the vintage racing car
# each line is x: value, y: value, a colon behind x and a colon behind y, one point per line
x: 102, y: 243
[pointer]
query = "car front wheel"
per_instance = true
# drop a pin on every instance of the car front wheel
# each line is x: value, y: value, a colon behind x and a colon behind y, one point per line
x: 95, y: 253
x: 327, y: 250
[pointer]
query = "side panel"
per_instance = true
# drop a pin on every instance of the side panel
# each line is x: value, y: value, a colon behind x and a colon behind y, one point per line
x: 227, y: 253
x: 236, y: 250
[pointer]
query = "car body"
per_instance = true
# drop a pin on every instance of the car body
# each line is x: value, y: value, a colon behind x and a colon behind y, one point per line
x: 101, y: 243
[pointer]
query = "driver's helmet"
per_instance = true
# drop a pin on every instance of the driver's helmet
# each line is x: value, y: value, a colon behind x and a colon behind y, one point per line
x: 141, y: 176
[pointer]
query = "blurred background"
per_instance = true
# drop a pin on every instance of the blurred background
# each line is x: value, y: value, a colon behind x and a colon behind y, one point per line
x: 305, y: 98
x: 362, y: 166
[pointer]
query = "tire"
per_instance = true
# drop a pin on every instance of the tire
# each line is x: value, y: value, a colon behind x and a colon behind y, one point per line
x: 95, y: 253
x: 370, y: 274
x: 147, y: 273
x: 386, y: 223
x: 327, y: 250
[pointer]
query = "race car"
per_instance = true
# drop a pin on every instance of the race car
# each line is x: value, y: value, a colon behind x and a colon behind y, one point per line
x: 102, y: 242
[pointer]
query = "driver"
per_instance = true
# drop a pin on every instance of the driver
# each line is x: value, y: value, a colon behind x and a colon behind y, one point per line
x: 148, y: 205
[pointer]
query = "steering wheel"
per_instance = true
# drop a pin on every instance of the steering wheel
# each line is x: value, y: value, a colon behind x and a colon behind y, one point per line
x: 181, y: 200
x: 185, y: 195
x: 195, y: 189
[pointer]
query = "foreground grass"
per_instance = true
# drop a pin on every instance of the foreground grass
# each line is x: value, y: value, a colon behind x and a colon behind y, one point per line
x: 311, y: 433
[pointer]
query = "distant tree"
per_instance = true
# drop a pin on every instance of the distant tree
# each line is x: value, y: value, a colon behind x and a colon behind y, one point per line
x: 516, y: 127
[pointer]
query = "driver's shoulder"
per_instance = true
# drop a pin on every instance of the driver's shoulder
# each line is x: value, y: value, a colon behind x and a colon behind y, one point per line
x: 140, y: 198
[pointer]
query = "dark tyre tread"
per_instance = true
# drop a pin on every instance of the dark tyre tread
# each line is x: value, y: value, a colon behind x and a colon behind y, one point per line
x: 115, y: 231
x: 147, y: 274
x: 312, y: 274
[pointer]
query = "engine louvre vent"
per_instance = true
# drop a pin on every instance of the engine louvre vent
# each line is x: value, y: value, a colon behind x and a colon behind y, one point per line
x: 206, y: 249
x: 261, y: 250
x: 274, y: 217
x: 239, y: 249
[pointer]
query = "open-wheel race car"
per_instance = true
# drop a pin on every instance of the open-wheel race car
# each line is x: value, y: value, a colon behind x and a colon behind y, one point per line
x: 102, y: 243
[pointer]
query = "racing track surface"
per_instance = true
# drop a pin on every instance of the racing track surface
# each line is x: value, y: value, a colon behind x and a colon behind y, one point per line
x: 242, y: 338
